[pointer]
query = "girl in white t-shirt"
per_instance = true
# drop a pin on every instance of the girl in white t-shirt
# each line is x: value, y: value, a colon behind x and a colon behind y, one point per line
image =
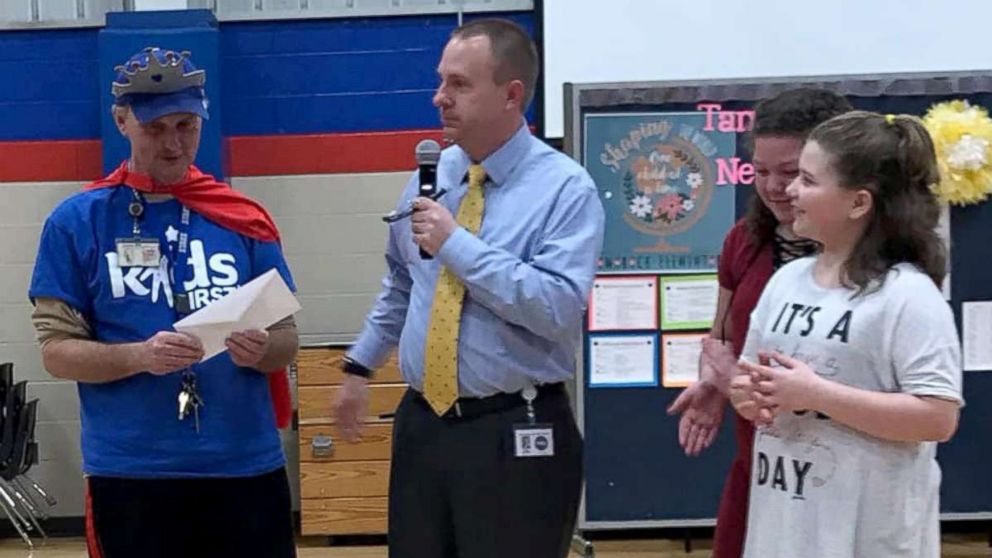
x: 852, y: 363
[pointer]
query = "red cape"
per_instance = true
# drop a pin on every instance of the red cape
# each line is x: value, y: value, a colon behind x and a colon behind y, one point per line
x: 219, y: 203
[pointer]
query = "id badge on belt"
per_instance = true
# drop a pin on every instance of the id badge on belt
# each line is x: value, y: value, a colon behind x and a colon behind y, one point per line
x: 138, y: 252
x: 533, y: 439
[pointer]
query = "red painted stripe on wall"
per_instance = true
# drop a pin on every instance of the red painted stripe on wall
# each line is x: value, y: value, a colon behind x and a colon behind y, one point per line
x: 50, y: 161
x: 45, y: 161
x: 325, y: 153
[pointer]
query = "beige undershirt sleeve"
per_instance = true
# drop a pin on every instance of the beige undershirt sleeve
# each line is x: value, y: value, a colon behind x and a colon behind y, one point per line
x: 53, y: 319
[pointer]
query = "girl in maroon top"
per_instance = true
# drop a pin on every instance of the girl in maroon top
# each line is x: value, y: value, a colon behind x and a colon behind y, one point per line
x: 753, y: 249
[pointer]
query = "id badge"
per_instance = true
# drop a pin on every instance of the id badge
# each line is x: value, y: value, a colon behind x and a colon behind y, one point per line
x: 138, y: 252
x: 533, y: 440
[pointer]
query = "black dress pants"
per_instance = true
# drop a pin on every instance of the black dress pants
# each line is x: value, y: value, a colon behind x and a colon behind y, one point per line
x: 244, y: 517
x: 457, y: 490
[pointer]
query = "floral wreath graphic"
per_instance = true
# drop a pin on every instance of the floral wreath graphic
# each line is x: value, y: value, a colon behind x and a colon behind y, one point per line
x: 668, y: 190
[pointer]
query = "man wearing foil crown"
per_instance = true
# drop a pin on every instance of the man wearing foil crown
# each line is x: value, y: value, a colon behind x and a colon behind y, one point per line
x: 181, y: 457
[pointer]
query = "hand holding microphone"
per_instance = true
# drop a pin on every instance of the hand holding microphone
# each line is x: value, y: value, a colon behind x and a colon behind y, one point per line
x: 431, y: 222
x: 428, y: 153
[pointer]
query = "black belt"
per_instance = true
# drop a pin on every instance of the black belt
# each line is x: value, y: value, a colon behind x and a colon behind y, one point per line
x: 470, y: 407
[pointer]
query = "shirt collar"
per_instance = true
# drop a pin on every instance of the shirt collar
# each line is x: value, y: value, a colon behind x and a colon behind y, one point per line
x: 500, y: 164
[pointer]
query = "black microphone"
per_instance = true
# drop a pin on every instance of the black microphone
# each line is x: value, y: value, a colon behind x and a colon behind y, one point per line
x: 428, y: 152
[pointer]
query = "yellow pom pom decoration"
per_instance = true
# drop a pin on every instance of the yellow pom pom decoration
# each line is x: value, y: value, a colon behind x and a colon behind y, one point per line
x: 962, y: 137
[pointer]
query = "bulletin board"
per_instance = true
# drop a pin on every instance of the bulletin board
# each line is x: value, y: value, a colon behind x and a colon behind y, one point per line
x: 672, y: 169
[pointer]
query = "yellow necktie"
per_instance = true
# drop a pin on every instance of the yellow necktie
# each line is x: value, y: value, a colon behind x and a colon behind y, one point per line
x: 441, y: 355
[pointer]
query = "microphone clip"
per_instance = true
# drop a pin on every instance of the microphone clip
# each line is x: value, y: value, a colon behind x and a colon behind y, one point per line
x: 394, y: 216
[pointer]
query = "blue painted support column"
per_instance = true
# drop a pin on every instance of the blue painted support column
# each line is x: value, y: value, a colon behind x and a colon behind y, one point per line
x: 127, y: 33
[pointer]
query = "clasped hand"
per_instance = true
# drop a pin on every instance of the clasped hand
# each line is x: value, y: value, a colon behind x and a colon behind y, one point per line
x: 760, y: 391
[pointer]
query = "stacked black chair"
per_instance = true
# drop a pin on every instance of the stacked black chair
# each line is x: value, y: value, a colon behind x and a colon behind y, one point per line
x: 18, y: 453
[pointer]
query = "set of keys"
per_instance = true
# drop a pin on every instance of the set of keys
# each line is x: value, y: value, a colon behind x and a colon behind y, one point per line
x: 189, y: 399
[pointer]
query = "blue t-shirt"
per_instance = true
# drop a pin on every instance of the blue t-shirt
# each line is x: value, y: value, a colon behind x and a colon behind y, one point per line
x: 130, y: 427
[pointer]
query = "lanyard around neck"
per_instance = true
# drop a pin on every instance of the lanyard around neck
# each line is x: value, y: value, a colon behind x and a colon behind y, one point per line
x: 178, y: 251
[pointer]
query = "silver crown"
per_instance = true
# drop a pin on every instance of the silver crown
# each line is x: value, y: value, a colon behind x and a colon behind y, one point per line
x: 156, y: 78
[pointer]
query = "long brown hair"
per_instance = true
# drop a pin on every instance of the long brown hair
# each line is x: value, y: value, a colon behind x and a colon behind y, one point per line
x: 793, y: 113
x: 893, y: 158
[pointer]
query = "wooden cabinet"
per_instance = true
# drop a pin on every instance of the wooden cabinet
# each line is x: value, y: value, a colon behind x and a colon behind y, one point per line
x: 343, y: 486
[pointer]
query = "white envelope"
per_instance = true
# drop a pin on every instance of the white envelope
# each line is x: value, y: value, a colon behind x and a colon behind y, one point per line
x: 257, y: 304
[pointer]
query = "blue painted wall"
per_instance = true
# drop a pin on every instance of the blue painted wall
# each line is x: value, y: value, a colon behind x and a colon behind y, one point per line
x: 49, y: 85
x: 285, y: 77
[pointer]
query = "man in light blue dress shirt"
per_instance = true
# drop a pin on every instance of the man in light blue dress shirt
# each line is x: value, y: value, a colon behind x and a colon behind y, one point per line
x: 500, y: 473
